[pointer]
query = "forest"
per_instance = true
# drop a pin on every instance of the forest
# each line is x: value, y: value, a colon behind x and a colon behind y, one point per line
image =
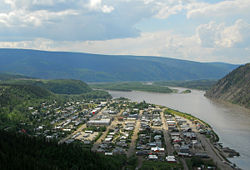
x: 19, y: 151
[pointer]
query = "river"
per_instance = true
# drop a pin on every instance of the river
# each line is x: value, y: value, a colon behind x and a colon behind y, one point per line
x: 230, y: 122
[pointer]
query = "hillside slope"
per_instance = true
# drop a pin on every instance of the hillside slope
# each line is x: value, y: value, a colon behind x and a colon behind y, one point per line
x: 13, y: 94
x: 24, y: 152
x: 5, y: 76
x: 104, y: 68
x: 62, y: 86
x: 235, y: 87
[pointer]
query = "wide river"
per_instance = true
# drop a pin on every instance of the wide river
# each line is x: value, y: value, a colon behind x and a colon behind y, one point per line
x: 230, y: 122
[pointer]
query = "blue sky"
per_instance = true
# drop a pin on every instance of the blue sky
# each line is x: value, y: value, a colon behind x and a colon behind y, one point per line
x: 198, y: 30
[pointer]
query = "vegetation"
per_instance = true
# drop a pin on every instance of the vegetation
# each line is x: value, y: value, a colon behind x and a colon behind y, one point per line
x: 15, y: 100
x: 131, y: 163
x: 234, y: 87
x: 56, y: 86
x: 95, y: 94
x: 192, y: 84
x: 129, y: 86
x: 156, y: 165
x: 196, y: 162
x: 20, y: 151
x: 186, y: 91
x: 106, y: 68
x: 6, y: 76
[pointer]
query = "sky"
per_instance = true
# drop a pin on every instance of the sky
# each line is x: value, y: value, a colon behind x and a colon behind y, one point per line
x: 197, y: 30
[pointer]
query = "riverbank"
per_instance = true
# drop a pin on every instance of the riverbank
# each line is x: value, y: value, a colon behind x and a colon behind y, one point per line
x: 224, y: 152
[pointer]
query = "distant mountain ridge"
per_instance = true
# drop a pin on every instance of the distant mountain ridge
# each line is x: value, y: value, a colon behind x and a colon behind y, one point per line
x: 106, y: 68
x: 234, y: 88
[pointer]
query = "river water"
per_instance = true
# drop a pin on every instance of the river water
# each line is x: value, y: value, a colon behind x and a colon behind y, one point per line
x: 230, y: 122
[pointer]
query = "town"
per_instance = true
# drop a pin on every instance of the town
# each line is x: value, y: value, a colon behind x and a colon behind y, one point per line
x: 152, y: 135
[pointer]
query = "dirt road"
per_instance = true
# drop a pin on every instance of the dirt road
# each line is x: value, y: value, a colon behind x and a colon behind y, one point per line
x: 131, y: 149
x: 169, y: 147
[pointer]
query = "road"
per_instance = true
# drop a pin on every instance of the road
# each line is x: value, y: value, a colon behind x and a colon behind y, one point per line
x: 131, y: 149
x: 210, y: 149
x: 213, y: 153
x: 167, y: 138
x: 170, y: 149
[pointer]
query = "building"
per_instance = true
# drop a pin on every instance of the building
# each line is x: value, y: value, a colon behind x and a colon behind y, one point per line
x: 101, y: 122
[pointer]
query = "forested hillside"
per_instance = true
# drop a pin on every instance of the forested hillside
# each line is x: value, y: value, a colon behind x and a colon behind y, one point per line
x: 235, y: 87
x: 23, y: 152
x: 56, y: 86
x: 5, y: 76
x: 104, y: 68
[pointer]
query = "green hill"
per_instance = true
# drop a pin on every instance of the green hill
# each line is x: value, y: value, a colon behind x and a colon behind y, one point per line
x: 106, y: 68
x: 15, y: 100
x: 57, y: 86
x: 6, y: 76
x: 13, y: 94
x: 234, y: 88
x: 23, y: 152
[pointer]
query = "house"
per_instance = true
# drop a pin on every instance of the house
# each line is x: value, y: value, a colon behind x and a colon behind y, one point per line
x: 152, y: 157
x: 109, y: 153
x: 120, y: 118
x: 101, y: 122
x: 152, y: 144
x: 158, y: 143
x: 175, y: 134
x: 108, y: 139
x: 171, y: 159
x: 157, y: 149
x: 185, y: 149
x: 157, y: 137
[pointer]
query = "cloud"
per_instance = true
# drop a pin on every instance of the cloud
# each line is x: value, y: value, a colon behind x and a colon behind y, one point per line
x: 70, y: 20
x: 167, y: 8
x: 223, y: 9
x: 97, y: 5
x: 21, y: 18
x: 220, y: 35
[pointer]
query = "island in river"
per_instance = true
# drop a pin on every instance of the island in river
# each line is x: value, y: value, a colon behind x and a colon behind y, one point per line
x: 158, y: 87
